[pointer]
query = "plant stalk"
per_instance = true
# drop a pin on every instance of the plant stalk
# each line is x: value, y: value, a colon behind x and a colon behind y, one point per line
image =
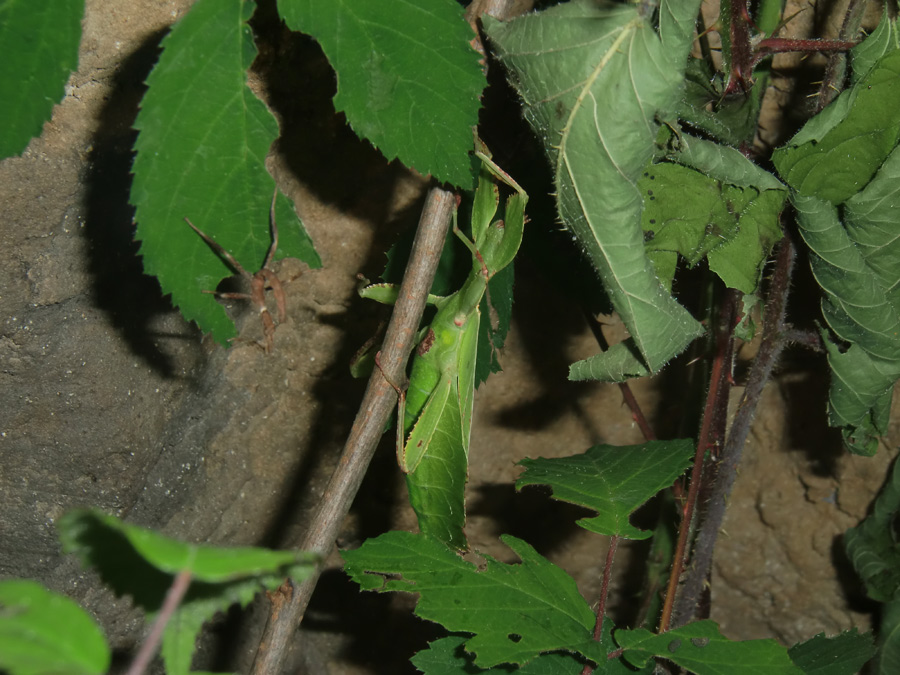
x: 289, y: 602
x: 773, y: 342
x: 173, y: 599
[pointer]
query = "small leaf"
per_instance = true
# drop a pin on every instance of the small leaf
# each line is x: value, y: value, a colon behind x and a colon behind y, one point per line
x: 201, y: 153
x: 844, y: 654
x: 883, y: 40
x: 447, y: 656
x: 837, y: 152
x: 872, y: 546
x: 81, y: 529
x: 40, y: 50
x: 614, y: 481
x: 408, y: 80
x: 702, y: 649
x: 889, y: 639
x: 44, y: 633
x: 515, y: 612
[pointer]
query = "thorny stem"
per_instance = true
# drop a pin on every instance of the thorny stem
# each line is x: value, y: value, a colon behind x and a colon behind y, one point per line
x: 709, y: 440
x: 604, y: 594
x: 772, y: 344
x: 173, y: 599
x: 289, y: 602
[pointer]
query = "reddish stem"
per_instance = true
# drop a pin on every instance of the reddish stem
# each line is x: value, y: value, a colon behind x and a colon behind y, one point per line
x: 710, y: 439
x: 604, y: 594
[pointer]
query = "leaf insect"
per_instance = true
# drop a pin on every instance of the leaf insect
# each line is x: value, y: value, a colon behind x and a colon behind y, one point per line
x: 436, y: 411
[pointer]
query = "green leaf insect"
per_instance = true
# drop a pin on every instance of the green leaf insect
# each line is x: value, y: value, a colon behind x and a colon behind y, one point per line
x: 436, y: 410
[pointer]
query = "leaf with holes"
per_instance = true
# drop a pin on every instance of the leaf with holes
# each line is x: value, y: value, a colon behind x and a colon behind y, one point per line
x: 201, y: 155
x: 702, y: 649
x: 515, y: 612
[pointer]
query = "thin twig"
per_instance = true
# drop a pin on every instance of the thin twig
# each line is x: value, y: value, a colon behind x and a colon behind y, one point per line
x: 291, y: 600
x: 174, y: 596
x: 772, y: 344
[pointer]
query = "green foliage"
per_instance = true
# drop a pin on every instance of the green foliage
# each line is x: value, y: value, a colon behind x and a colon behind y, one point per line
x: 408, y: 80
x: 702, y: 649
x: 564, y: 62
x: 515, y: 612
x: 201, y: 154
x: 614, y: 481
x: 44, y: 633
x: 40, y: 50
x: 141, y: 563
x: 843, y: 654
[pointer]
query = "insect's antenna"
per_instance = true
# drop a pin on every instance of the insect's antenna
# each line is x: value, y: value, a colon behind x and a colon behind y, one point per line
x: 219, y: 251
x: 273, y: 227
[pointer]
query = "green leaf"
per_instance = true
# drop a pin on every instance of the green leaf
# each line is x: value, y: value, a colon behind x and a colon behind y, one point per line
x: 40, y: 50
x: 593, y: 78
x: 858, y: 268
x: 889, y: 639
x: 141, y: 563
x: 408, y: 80
x: 612, y: 480
x: 80, y: 527
x: 843, y: 654
x: 201, y: 155
x: 883, y: 40
x: 447, y: 656
x: 44, y: 633
x: 702, y: 649
x: 515, y: 612
x: 837, y: 152
x: 871, y: 545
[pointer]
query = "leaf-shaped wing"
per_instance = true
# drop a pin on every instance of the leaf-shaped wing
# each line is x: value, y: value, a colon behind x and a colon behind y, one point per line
x: 594, y: 78
x: 201, y: 150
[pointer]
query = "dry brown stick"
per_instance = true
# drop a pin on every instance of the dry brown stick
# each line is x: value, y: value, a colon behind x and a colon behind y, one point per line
x: 289, y: 602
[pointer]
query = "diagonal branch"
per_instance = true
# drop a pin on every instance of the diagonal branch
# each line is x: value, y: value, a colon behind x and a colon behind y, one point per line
x: 289, y: 602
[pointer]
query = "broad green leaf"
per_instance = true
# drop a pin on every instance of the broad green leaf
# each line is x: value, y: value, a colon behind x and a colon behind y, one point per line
x: 594, y: 77
x: 702, y: 649
x: 515, y: 612
x: 618, y: 363
x: 889, y: 639
x: 731, y: 120
x: 407, y: 78
x: 872, y: 546
x: 40, y: 50
x: 141, y: 563
x: 836, y: 154
x: 857, y: 265
x: 843, y: 654
x: 201, y: 155
x: 695, y: 214
x: 44, y: 633
x: 612, y: 480
x: 883, y: 40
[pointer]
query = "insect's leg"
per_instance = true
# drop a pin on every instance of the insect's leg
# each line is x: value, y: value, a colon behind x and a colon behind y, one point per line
x: 401, y: 412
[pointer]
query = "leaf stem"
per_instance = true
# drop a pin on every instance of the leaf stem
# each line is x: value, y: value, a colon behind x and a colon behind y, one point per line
x: 173, y: 599
x: 773, y: 342
x: 604, y: 595
x: 291, y: 599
